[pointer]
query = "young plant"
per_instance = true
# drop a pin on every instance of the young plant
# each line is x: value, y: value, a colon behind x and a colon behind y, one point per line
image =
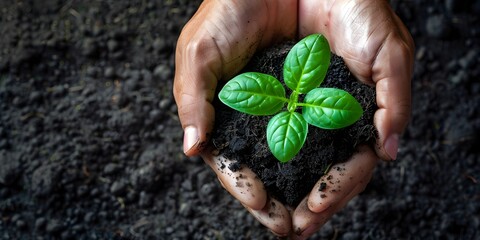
x: 304, y: 69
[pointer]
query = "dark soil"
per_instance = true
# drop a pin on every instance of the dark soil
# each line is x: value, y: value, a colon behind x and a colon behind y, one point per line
x: 242, y: 137
x: 91, y: 146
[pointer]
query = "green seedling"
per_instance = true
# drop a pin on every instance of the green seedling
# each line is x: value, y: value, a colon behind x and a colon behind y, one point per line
x: 304, y: 69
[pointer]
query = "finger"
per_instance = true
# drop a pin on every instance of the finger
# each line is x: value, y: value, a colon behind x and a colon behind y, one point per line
x: 242, y: 184
x: 194, y: 89
x: 392, y: 71
x: 306, y: 223
x: 343, y: 183
x: 249, y: 190
x: 342, y: 179
x: 274, y: 216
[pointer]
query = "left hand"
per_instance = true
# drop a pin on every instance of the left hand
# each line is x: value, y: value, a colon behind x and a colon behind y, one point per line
x: 378, y: 50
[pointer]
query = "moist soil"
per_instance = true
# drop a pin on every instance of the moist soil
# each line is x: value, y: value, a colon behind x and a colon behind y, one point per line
x: 91, y: 145
x: 242, y: 137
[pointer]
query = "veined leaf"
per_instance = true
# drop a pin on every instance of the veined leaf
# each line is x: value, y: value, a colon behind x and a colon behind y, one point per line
x: 286, y: 134
x: 307, y: 63
x: 331, y: 108
x: 254, y: 93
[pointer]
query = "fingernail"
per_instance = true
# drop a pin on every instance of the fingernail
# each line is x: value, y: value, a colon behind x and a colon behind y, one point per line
x: 190, y: 138
x: 391, y: 146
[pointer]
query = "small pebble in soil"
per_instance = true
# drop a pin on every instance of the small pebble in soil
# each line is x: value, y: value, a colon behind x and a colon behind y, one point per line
x: 54, y: 226
x: 145, y: 199
x: 109, y: 72
x: 111, y: 168
x: 162, y: 72
x: 438, y: 26
x: 118, y: 188
x: 146, y: 178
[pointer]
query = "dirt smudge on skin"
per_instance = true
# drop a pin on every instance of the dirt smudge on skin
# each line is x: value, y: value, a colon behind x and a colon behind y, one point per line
x: 239, y: 184
x: 322, y: 187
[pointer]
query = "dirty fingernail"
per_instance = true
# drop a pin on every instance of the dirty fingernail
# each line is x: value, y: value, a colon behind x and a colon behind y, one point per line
x: 391, y: 146
x: 190, y: 138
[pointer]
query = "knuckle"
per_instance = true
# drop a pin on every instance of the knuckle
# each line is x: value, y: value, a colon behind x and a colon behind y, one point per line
x: 200, y: 50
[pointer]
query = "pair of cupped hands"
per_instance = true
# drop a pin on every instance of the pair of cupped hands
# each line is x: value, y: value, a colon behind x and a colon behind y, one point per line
x: 221, y: 38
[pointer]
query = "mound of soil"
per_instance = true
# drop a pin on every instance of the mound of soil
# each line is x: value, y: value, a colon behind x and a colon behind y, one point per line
x: 91, y: 145
x: 242, y: 137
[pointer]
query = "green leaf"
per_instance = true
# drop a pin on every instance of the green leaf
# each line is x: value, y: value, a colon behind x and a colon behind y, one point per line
x: 286, y: 134
x: 254, y: 93
x: 331, y: 108
x: 307, y: 63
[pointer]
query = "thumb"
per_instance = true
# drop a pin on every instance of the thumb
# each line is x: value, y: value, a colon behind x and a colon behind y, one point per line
x: 197, y: 119
x: 392, y: 72
x: 194, y: 90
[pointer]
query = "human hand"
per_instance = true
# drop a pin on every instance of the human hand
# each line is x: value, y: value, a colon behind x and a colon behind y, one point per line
x: 216, y: 44
x: 378, y: 50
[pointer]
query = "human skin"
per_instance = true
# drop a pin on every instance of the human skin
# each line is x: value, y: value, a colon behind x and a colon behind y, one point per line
x: 221, y: 38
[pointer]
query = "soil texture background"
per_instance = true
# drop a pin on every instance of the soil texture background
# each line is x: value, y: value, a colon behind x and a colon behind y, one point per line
x: 91, y: 145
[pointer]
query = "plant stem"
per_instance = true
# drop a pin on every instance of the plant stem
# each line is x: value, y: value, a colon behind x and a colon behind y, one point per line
x: 293, y: 101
